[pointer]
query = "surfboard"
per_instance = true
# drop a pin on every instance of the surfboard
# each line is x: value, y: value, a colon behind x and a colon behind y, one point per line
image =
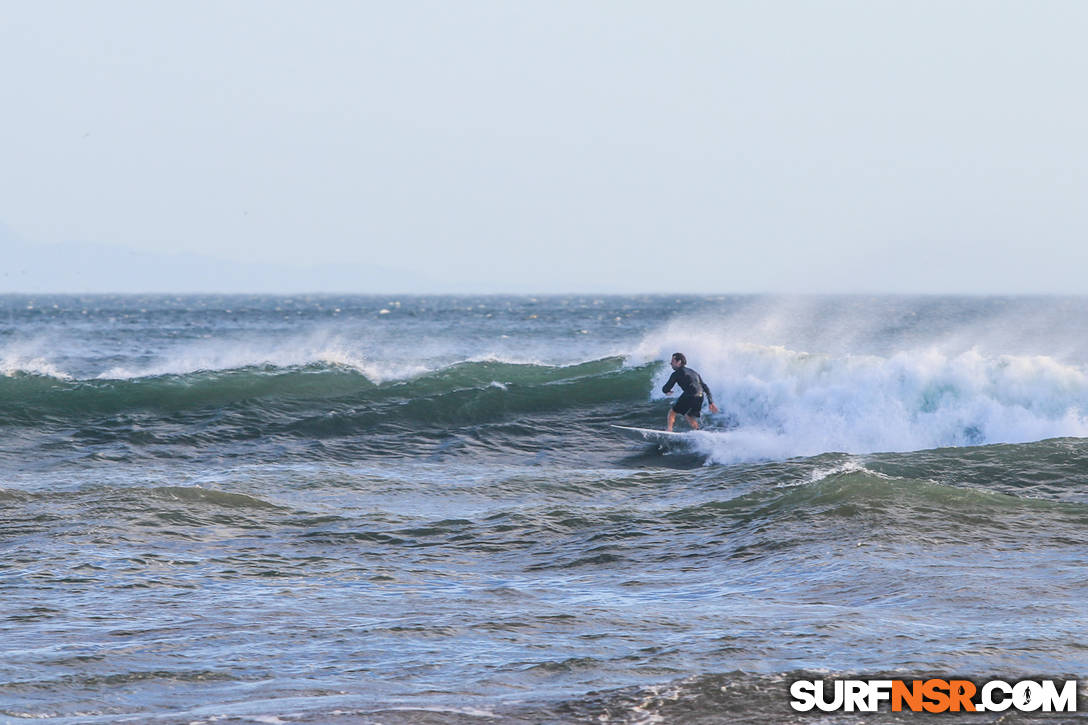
x: 651, y: 435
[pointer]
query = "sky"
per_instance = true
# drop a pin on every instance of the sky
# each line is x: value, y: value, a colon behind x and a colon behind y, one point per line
x: 581, y: 146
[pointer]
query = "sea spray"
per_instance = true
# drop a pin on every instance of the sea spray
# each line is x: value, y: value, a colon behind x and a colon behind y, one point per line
x: 778, y: 402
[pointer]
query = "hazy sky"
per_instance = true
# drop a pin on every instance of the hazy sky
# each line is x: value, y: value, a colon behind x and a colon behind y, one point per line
x: 545, y: 146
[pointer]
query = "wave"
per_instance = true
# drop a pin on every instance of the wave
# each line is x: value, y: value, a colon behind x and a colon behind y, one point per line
x: 882, y: 501
x: 211, y: 496
x: 852, y: 505
x: 324, y: 394
x: 779, y: 403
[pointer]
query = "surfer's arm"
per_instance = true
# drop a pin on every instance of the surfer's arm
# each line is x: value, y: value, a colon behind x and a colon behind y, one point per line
x: 709, y: 397
x: 672, y: 381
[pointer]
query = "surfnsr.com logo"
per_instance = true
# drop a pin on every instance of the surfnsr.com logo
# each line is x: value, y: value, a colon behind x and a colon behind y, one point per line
x: 934, y: 695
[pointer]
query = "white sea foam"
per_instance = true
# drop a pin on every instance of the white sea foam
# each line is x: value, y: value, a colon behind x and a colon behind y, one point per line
x: 379, y: 366
x: 29, y: 356
x: 10, y: 366
x: 779, y: 402
x: 223, y: 354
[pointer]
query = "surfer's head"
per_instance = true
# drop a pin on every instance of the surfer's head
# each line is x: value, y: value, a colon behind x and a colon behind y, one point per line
x: 678, y: 360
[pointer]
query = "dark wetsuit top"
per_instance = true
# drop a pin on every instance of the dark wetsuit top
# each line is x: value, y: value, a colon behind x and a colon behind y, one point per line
x: 690, y: 382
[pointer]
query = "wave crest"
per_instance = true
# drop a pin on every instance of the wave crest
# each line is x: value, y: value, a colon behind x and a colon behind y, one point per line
x: 780, y: 403
x: 302, y: 396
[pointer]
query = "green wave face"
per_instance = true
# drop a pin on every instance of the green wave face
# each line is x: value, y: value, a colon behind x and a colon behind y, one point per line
x: 467, y: 392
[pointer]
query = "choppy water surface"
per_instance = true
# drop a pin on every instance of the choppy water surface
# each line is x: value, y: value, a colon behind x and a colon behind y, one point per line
x: 412, y: 509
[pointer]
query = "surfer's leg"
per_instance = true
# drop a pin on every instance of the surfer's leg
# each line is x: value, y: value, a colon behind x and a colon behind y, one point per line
x: 693, y: 422
x: 671, y: 419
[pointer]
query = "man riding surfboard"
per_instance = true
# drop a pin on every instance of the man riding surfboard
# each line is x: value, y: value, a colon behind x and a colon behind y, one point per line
x: 690, y: 402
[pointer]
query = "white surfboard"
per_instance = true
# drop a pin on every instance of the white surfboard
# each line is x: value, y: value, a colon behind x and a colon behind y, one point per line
x: 653, y: 436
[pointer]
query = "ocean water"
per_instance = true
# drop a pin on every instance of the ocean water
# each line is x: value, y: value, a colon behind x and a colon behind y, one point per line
x: 413, y: 510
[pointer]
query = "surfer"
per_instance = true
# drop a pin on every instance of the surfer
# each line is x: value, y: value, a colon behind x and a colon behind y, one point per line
x: 690, y: 402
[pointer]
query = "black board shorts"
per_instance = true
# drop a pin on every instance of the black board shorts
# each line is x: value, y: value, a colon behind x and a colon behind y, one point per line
x: 689, y: 405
